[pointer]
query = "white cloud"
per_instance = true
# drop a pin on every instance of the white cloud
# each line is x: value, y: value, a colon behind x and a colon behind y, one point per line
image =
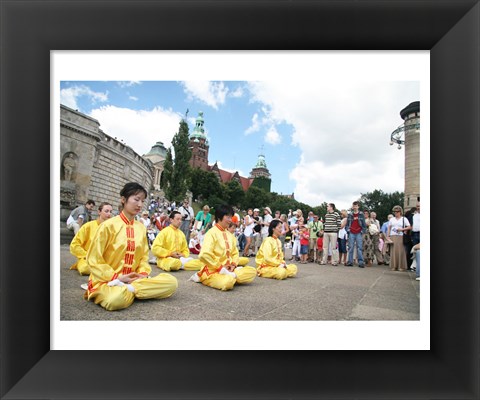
x: 133, y: 98
x: 138, y: 129
x: 68, y: 96
x: 255, y: 127
x: 272, y: 136
x: 237, y: 93
x: 124, y: 84
x: 343, y: 132
x: 211, y: 93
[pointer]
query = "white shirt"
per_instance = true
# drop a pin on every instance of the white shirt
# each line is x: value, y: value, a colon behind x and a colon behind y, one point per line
x: 397, y: 223
x: 266, y: 219
x: 416, y: 222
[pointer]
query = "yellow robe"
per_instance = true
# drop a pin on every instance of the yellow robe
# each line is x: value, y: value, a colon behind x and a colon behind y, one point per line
x: 169, y: 240
x: 80, y: 245
x: 268, y: 259
x: 219, y: 249
x: 121, y: 247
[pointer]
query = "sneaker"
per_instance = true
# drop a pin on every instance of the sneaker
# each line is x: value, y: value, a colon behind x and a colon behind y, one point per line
x: 349, y: 264
x: 417, y: 278
x: 361, y: 266
x: 84, y: 286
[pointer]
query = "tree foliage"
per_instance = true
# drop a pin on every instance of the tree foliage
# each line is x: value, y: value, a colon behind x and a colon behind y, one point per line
x: 233, y: 193
x: 204, y: 184
x: 177, y: 181
x: 262, y: 183
x: 380, y: 202
x: 166, y: 178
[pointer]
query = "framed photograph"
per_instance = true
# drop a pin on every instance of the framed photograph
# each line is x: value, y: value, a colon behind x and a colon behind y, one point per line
x: 31, y: 32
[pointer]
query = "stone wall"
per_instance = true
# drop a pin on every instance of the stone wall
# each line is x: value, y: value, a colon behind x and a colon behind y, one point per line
x: 412, y: 162
x: 101, y: 165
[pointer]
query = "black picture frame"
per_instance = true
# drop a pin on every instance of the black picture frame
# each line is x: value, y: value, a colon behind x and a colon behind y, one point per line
x: 31, y: 29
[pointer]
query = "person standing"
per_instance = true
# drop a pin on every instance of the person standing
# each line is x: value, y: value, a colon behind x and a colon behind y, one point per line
x: 267, y: 218
x: 270, y: 259
x: 203, y: 222
x: 331, y: 227
x: 355, y: 228
x: 374, y: 231
x: 79, y: 216
x: 118, y: 258
x: 416, y: 226
x: 219, y: 255
x: 342, y: 238
x: 248, y: 223
x: 368, y: 251
x: 83, y: 239
x: 171, y: 249
x: 186, y: 212
x: 397, y: 226
x: 315, y: 229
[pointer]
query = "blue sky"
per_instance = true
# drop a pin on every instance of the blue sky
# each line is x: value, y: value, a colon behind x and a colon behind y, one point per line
x: 324, y: 140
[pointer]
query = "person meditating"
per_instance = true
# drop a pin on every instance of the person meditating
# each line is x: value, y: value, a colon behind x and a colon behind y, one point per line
x: 83, y: 239
x: 219, y: 256
x: 269, y: 259
x: 118, y: 258
x: 170, y: 247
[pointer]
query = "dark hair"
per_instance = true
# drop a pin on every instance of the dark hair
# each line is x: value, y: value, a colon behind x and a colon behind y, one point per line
x: 355, y: 203
x: 272, y: 226
x: 173, y: 213
x: 332, y: 205
x: 90, y: 202
x: 100, y: 207
x: 131, y: 189
x: 223, y: 210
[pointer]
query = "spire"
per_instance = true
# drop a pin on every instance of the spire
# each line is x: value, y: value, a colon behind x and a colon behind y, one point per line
x: 199, y: 130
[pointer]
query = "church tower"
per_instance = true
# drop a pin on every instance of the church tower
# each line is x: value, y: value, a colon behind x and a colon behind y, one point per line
x: 199, y: 145
x: 260, y: 174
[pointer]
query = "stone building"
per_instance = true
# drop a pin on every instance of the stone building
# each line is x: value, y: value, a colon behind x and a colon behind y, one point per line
x: 94, y: 165
x: 411, y: 116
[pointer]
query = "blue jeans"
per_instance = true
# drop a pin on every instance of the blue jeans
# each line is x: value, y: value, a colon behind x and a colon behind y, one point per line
x: 355, y: 238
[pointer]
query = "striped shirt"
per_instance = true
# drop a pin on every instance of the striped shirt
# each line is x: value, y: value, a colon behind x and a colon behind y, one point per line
x: 332, y: 222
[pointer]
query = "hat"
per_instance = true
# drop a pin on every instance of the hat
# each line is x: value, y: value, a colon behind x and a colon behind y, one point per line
x: 268, y: 209
x: 256, y: 210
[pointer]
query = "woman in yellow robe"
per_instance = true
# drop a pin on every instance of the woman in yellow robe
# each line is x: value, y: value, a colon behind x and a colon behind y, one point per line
x: 83, y: 239
x: 270, y: 259
x: 171, y: 249
x: 118, y: 258
x: 219, y: 256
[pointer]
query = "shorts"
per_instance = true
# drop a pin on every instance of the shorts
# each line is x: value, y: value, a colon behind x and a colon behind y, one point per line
x: 304, y: 249
x: 342, y: 246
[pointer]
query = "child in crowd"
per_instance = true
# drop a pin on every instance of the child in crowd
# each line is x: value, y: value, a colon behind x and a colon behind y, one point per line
x: 304, y: 241
x: 194, y: 244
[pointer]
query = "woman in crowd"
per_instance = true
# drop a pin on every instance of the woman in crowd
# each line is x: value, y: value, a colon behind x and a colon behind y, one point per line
x: 270, y: 259
x: 397, y: 226
x: 219, y: 255
x: 368, y: 249
x: 285, y: 230
x: 84, y: 237
x: 118, y: 258
x: 203, y: 222
x: 248, y: 223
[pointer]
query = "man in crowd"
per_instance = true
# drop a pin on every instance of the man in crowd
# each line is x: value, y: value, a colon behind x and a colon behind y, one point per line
x: 356, y: 227
x: 79, y: 216
x: 416, y: 226
x: 331, y: 227
x: 186, y: 212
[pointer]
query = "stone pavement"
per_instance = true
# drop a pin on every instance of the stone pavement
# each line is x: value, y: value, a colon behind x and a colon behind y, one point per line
x: 317, y: 293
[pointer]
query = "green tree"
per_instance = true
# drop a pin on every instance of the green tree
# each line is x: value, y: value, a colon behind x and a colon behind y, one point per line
x: 176, y: 183
x: 256, y: 197
x: 204, y: 184
x: 262, y: 183
x: 233, y: 192
x: 166, y: 178
x: 380, y: 202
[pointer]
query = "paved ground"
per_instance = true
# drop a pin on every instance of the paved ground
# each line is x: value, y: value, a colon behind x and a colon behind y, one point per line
x: 318, y: 293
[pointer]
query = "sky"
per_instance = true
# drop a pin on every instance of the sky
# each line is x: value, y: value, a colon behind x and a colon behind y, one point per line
x: 325, y: 140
